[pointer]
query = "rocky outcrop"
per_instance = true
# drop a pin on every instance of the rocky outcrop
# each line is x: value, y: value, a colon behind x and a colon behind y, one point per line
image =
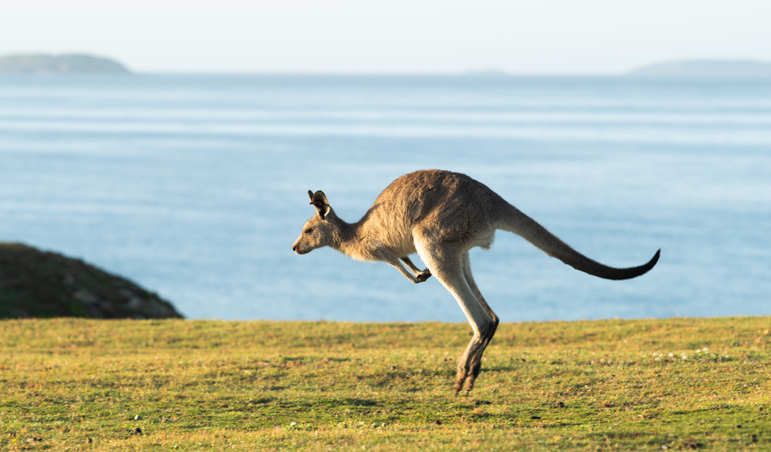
x: 36, y: 283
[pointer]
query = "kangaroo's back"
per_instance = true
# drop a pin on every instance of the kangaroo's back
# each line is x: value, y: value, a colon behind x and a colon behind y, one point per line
x: 448, y: 206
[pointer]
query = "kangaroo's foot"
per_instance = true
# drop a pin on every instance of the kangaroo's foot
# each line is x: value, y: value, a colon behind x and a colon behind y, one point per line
x: 422, y: 276
x: 469, y: 365
x: 470, y: 362
x: 466, y: 376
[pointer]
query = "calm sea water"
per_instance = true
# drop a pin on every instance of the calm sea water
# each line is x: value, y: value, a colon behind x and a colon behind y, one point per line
x: 195, y: 187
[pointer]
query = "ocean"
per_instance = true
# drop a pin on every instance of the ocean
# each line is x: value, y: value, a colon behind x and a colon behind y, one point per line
x: 195, y: 186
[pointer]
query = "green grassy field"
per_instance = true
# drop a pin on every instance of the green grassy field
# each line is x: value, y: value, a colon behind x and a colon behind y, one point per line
x: 189, y: 385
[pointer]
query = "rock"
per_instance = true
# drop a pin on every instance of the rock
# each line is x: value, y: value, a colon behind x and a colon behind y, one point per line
x: 36, y: 283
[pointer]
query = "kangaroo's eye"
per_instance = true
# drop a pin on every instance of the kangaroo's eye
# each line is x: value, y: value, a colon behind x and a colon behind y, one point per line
x: 308, y: 231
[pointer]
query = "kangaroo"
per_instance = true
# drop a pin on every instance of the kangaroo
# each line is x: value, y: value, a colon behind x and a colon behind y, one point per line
x: 441, y: 215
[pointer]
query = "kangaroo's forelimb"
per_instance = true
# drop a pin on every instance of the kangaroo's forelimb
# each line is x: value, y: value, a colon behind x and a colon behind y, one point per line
x: 420, y: 275
x: 389, y: 257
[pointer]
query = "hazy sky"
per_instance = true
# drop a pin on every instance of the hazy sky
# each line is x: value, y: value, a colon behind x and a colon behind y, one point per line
x: 414, y: 36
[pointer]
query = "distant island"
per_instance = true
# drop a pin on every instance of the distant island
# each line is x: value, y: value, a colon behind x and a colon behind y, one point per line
x: 705, y: 69
x: 486, y: 73
x: 42, y: 64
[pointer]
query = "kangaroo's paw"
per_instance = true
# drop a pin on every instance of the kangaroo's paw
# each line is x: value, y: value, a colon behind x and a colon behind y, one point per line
x: 422, y: 276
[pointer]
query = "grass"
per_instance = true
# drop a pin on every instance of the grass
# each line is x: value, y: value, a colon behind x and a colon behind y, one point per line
x: 187, y: 385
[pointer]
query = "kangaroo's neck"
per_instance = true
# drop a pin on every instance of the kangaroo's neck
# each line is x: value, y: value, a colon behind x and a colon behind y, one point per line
x: 344, y: 235
x: 349, y: 241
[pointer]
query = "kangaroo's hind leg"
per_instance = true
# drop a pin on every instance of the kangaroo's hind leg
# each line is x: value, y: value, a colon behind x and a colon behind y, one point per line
x: 446, y: 264
x: 475, y: 361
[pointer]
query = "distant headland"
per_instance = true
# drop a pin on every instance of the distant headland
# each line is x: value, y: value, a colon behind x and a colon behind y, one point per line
x: 715, y: 69
x: 44, y: 64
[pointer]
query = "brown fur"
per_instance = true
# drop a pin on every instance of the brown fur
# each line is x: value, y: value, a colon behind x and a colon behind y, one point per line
x: 440, y: 216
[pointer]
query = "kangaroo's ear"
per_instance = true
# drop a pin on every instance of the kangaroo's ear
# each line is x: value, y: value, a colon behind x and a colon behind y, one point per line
x: 319, y: 201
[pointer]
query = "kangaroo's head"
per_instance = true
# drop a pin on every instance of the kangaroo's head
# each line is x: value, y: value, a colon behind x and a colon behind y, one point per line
x: 320, y: 229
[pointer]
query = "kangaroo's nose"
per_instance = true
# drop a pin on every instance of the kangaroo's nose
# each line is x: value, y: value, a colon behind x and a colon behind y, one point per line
x: 294, y: 248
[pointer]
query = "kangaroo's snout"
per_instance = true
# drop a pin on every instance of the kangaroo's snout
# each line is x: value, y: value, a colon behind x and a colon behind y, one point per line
x: 297, y: 248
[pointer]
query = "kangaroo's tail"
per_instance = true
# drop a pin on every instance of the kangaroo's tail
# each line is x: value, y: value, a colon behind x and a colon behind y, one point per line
x: 517, y: 222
